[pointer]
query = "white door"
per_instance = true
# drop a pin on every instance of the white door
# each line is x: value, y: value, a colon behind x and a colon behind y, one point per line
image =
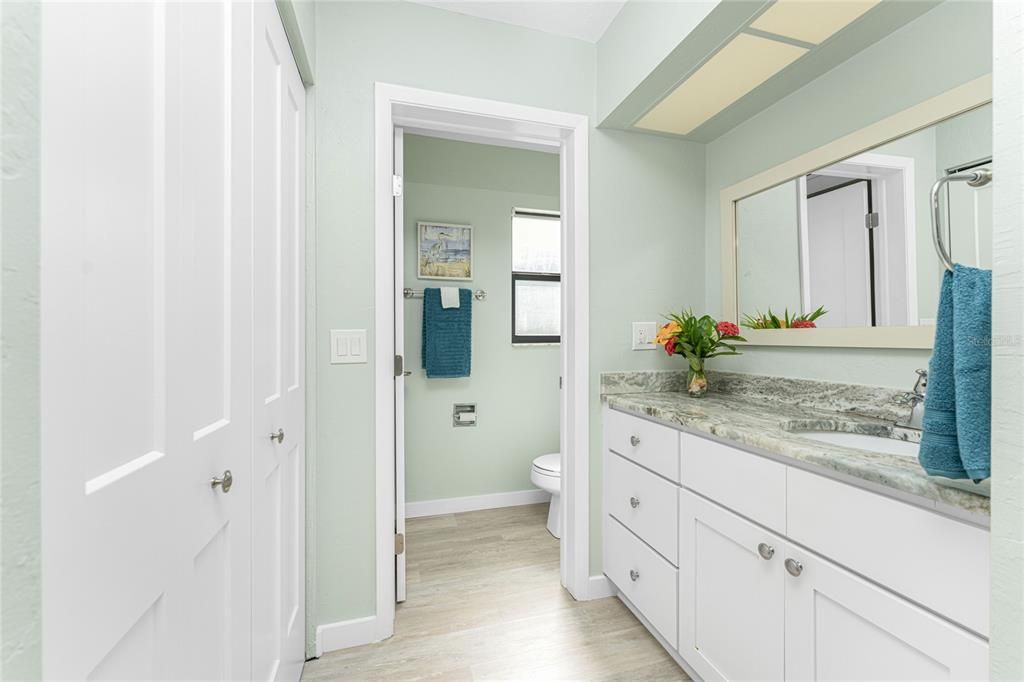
x: 837, y: 242
x: 400, y: 376
x: 731, y: 615
x: 145, y: 340
x: 278, y: 354
x: 841, y: 627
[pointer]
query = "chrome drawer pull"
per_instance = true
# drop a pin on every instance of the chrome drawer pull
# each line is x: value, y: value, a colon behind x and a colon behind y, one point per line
x: 634, y: 502
x: 634, y: 574
x: 794, y: 567
x: 766, y: 551
x: 634, y: 440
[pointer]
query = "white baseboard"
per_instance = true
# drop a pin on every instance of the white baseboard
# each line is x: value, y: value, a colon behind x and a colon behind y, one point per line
x: 600, y: 587
x: 453, y: 505
x: 345, y: 634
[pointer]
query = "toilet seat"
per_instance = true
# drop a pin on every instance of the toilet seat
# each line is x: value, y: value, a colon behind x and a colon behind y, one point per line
x: 550, y: 465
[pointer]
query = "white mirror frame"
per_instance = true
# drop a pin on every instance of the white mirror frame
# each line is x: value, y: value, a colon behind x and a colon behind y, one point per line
x: 963, y: 98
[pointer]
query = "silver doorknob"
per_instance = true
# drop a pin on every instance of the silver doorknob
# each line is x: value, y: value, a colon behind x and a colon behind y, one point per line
x: 794, y: 567
x: 766, y: 551
x: 279, y: 436
x: 224, y: 482
x: 634, y: 440
x: 634, y: 502
x: 634, y: 574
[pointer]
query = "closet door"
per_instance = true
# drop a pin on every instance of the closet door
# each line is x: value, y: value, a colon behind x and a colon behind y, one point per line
x: 278, y: 346
x: 146, y: 340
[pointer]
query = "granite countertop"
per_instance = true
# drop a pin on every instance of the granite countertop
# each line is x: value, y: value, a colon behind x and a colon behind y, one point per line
x: 759, y: 413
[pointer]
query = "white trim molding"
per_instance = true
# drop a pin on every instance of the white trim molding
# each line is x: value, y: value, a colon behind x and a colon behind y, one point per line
x: 956, y: 101
x: 346, y: 634
x: 455, y: 505
x: 600, y: 587
x: 510, y: 124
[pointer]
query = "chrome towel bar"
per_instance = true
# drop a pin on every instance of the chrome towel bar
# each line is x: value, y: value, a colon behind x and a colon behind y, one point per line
x: 974, y: 178
x: 479, y: 294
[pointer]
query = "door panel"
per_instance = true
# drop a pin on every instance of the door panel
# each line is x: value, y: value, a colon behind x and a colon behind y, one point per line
x: 278, y: 364
x: 838, y: 256
x: 730, y: 596
x: 834, y: 618
x: 145, y: 246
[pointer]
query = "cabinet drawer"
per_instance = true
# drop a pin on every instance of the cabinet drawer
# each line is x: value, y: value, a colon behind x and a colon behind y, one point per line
x: 642, y: 576
x: 648, y: 444
x: 645, y: 503
x: 938, y: 562
x: 752, y: 486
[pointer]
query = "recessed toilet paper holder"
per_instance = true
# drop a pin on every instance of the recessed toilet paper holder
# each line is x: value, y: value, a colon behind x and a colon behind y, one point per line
x: 464, y: 414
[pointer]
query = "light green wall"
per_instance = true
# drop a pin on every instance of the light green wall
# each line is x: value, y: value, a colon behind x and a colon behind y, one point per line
x: 768, y: 250
x: 903, y: 69
x: 646, y: 215
x: 20, y: 582
x: 515, y: 388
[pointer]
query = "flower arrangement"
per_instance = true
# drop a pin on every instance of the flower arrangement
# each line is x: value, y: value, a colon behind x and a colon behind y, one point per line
x: 770, y: 320
x: 697, y: 339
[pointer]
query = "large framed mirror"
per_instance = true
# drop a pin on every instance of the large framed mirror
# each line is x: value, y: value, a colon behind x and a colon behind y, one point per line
x: 847, y: 229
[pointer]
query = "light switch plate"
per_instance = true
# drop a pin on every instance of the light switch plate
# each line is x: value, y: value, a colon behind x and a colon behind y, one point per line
x: 348, y: 346
x: 643, y: 335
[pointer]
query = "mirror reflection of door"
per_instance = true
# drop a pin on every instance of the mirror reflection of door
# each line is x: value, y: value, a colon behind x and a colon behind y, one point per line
x: 840, y: 251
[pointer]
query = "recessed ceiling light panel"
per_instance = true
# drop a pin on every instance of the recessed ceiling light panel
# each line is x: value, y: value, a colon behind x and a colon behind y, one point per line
x: 744, y: 63
x: 811, y: 21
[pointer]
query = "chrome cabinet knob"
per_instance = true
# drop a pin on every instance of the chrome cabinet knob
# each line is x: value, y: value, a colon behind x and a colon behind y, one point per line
x: 794, y: 567
x: 634, y: 502
x: 634, y: 440
x: 766, y: 551
x: 279, y: 436
x: 634, y: 574
x: 224, y: 482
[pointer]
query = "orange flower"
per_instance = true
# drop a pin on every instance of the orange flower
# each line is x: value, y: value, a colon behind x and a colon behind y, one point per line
x: 668, y: 331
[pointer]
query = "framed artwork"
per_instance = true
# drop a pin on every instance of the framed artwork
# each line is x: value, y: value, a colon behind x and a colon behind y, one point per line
x: 444, y: 251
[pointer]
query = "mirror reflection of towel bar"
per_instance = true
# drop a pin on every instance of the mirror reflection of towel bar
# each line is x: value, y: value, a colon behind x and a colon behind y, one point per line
x: 479, y: 294
x: 974, y: 178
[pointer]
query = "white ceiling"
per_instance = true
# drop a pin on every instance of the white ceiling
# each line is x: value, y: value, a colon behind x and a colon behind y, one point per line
x: 586, y: 20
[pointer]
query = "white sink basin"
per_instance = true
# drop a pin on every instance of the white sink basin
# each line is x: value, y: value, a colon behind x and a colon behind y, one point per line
x: 889, y: 446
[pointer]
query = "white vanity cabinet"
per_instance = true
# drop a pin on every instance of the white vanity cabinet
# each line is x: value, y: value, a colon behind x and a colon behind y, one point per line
x: 731, y: 594
x: 782, y: 574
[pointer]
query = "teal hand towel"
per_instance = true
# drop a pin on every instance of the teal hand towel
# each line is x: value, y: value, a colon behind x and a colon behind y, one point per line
x: 972, y: 368
x: 939, y: 453
x: 447, y: 335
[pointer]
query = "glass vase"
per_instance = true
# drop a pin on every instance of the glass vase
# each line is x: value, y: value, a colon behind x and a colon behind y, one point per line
x: 696, y: 382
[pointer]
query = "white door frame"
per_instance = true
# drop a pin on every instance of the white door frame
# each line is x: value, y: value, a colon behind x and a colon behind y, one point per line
x: 493, y: 122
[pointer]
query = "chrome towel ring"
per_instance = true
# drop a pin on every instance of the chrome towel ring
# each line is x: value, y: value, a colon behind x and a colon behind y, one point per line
x: 974, y: 178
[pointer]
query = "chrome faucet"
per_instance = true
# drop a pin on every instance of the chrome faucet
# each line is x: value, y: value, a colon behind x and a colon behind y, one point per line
x: 915, y: 398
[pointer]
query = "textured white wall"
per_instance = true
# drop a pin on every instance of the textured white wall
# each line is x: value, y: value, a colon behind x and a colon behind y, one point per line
x: 1008, y: 351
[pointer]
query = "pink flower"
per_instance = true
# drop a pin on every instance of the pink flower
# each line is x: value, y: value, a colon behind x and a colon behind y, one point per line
x: 725, y: 328
x: 670, y: 346
x: 803, y: 324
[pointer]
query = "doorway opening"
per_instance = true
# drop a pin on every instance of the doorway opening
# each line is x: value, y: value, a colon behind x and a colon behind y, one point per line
x: 400, y: 111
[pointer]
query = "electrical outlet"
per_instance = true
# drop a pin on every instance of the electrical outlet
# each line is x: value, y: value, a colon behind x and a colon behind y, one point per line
x: 643, y: 335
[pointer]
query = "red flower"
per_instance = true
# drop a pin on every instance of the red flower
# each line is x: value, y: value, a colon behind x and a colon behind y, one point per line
x: 725, y: 328
x: 803, y: 324
x: 670, y: 346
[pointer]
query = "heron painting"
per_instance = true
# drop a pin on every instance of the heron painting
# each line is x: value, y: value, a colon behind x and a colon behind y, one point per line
x: 445, y: 251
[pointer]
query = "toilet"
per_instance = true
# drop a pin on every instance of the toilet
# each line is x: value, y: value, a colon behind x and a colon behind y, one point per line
x: 546, y: 474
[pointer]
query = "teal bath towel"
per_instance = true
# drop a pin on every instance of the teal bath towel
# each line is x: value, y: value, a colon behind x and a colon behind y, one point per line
x: 972, y: 368
x: 956, y: 442
x: 447, y: 335
x: 939, y: 453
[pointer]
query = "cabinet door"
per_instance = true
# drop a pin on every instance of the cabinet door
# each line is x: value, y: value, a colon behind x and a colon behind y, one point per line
x: 842, y: 627
x: 731, y: 594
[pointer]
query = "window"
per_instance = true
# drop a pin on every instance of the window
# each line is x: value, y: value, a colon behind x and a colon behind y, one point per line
x: 536, y: 276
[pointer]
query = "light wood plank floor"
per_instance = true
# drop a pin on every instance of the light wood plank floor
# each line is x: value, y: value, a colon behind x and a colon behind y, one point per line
x: 484, y: 603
